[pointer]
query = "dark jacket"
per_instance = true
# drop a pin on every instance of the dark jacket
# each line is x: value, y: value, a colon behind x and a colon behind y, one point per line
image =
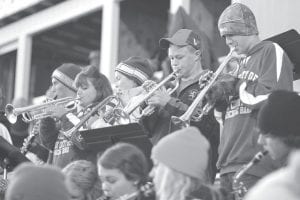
x: 159, y: 124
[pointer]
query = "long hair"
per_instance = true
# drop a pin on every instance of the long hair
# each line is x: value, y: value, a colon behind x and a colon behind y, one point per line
x: 99, y: 81
x: 127, y: 158
x: 84, y: 175
x: 175, y: 185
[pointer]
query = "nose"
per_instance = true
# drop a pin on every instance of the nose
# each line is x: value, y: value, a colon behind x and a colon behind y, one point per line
x: 152, y: 173
x: 261, y: 140
x: 105, y: 186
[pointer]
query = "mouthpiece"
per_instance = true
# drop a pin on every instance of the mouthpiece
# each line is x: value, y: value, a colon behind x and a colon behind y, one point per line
x: 259, y: 156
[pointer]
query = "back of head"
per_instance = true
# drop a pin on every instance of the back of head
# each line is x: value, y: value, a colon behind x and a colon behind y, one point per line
x: 30, y: 182
x: 185, y: 151
x: 83, y: 174
x: 237, y: 19
x: 127, y: 158
x: 280, y: 115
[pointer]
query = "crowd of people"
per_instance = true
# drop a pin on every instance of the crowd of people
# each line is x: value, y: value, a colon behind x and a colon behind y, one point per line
x: 254, y: 110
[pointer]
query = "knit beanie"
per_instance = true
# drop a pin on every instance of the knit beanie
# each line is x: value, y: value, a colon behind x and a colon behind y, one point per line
x: 136, y: 68
x: 281, y: 184
x: 280, y: 115
x: 237, y: 19
x: 66, y: 74
x: 185, y: 151
x: 30, y: 182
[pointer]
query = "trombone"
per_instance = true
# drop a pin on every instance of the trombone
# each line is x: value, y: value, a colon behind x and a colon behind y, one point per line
x: 35, y: 112
x: 86, y: 117
x: 118, y: 113
x: 184, y: 120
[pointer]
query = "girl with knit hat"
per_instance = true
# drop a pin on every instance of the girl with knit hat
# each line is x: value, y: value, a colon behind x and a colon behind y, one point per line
x: 179, y: 170
x: 123, y: 170
x: 82, y: 180
x: 130, y: 75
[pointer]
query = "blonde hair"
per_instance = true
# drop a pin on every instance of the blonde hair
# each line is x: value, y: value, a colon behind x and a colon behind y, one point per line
x: 175, y: 185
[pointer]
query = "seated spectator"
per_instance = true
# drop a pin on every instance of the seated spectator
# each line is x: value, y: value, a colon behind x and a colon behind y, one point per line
x: 278, y: 122
x: 282, y: 184
x: 82, y: 180
x: 123, y: 170
x: 30, y: 182
x: 179, y: 170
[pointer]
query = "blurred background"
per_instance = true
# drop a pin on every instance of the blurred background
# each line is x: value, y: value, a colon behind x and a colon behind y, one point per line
x: 36, y: 36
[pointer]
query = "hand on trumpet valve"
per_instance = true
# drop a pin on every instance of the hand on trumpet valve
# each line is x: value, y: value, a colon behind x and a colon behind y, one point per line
x: 219, y: 95
x: 149, y: 85
x: 159, y: 98
x: 59, y: 110
x: 205, y: 77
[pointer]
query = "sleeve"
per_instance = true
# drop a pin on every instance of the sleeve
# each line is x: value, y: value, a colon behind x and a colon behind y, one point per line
x: 5, y: 134
x: 276, y: 73
x: 48, y: 132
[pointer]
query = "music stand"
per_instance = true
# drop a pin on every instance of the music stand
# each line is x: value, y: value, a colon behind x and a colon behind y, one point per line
x: 10, y: 155
x: 100, y: 139
x: 290, y: 42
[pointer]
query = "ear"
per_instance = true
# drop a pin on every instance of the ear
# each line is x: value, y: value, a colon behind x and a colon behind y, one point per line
x: 198, y: 54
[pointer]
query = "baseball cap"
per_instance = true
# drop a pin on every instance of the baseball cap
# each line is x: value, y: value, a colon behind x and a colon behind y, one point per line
x: 182, y: 37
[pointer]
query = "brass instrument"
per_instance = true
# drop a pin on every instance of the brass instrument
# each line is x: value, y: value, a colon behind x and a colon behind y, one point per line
x: 120, y: 115
x: 238, y: 187
x: 86, y: 117
x: 35, y: 112
x: 151, y: 92
x: 184, y: 120
x: 150, y: 109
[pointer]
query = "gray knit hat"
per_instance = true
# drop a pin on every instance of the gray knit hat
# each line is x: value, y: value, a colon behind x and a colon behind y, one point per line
x: 185, y: 151
x: 66, y: 74
x: 237, y: 19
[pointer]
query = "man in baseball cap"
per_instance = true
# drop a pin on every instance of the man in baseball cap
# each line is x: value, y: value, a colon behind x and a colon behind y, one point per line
x: 184, y: 50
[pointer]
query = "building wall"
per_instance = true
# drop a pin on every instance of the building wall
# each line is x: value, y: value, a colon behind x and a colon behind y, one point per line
x: 274, y: 16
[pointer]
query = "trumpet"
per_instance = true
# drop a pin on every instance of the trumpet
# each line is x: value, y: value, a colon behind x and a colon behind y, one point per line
x: 184, y: 120
x: 150, y: 93
x: 86, y: 117
x: 36, y: 112
x: 122, y: 114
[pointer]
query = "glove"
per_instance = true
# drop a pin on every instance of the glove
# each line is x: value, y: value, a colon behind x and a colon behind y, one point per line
x: 222, y: 90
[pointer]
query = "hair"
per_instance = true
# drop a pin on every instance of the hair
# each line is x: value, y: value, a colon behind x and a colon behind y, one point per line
x: 176, y: 185
x: 127, y: 158
x: 99, y: 81
x: 291, y: 141
x: 84, y: 175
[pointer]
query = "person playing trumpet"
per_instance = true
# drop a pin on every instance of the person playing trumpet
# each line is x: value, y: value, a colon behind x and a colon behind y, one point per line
x: 264, y: 68
x: 130, y: 76
x: 184, y: 50
x: 92, y: 87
